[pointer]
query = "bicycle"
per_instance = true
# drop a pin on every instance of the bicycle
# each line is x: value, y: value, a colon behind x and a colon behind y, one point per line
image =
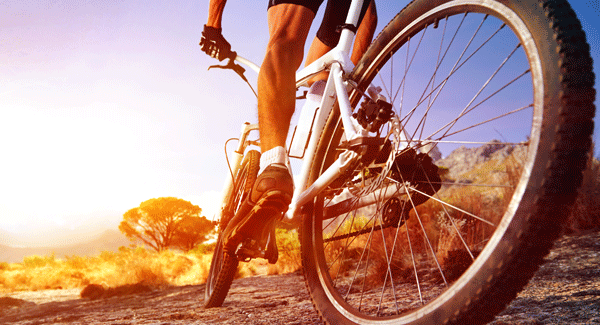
x: 386, y: 236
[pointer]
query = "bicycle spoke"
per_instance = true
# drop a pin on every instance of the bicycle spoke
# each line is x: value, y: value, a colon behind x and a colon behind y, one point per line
x: 438, y: 64
x: 453, y: 207
x: 358, y: 266
x: 407, y: 67
x: 412, y: 256
x: 345, y: 247
x: 522, y: 143
x: 451, y: 73
x: 443, y: 84
x: 474, y: 185
x: 388, y: 272
x: 400, y: 222
x: 490, y: 120
x: 367, y: 245
x: 428, y: 241
x: 466, y: 110
x: 450, y: 218
x: 346, y: 236
x: 362, y: 293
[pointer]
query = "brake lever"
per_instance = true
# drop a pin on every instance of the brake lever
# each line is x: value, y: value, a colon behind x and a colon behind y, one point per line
x: 232, y: 65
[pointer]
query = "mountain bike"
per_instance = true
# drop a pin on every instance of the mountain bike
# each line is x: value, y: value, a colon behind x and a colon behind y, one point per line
x: 390, y: 236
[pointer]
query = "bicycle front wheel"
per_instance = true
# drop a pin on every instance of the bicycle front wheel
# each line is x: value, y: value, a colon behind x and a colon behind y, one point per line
x: 223, y: 266
x: 410, y: 238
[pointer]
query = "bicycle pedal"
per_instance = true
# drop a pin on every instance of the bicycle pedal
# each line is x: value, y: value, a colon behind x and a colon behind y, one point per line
x: 249, y: 249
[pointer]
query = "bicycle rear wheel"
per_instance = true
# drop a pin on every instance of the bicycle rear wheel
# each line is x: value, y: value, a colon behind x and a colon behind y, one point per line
x: 402, y: 240
x: 223, y: 266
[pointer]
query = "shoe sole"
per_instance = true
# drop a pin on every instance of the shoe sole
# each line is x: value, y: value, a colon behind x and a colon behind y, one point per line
x: 267, y: 210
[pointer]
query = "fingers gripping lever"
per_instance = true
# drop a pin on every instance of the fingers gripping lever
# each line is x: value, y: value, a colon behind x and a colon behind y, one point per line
x: 216, y: 46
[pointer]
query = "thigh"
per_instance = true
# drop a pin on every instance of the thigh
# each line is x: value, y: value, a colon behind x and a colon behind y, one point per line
x: 290, y: 24
x: 313, y: 5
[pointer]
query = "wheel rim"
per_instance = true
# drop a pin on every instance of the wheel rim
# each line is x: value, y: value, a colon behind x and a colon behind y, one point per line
x: 215, y: 267
x: 244, y: 181
x: 348, y: 267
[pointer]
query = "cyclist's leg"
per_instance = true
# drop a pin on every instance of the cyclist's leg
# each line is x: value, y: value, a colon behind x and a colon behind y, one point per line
x: 327, y: 38
x: 289, y: 25
x: 272, y: 192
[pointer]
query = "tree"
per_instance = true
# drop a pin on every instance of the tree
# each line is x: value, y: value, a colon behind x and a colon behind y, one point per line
x: 159, y: 222
x: 193, y: 231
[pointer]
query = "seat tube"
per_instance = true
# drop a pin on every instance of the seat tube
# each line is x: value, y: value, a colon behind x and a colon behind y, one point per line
x: 347, y: 36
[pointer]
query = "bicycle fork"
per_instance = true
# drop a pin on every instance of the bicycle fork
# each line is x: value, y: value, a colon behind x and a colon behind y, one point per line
x: 238, y: 156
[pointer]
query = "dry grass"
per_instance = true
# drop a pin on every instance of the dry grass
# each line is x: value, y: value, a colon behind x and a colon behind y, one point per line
x: 434, y: 233
x: 586, y: 211
x: 109, y: 269
x: 138, y: 265
x: 289, y: 253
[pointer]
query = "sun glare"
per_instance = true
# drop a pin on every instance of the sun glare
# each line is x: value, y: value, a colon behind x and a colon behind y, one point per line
x: 58, y: 165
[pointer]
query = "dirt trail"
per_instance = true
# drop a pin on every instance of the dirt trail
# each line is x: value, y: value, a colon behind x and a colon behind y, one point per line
x: 566, y: 290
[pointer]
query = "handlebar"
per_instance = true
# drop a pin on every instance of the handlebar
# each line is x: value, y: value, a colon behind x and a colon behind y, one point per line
x: 247, y: 63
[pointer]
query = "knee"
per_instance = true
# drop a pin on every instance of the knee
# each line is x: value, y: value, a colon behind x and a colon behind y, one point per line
x: 286, y: 50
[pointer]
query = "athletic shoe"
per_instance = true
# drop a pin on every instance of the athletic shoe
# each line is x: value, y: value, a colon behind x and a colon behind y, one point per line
x: 269, y: 199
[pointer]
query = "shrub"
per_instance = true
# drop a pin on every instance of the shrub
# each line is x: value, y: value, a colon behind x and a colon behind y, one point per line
x: 35, y: 261
x: 110, y: 269
x: 288, y: 246
x: 206, y: 248
x: 585, y: 214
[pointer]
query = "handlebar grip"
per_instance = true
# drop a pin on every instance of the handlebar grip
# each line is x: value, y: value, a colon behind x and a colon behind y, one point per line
x: 232, y: 55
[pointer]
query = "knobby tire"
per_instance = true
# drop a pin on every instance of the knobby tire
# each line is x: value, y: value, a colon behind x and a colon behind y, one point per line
x: 404, y: 274
x: 224, y: 265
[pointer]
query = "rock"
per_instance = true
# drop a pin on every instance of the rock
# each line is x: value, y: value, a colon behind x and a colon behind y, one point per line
x: 9, y: 302
x: 432, y: 150
x: 92, y: 291
x: 463, y: 159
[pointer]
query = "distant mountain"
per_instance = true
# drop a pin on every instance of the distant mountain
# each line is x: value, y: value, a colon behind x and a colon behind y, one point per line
x: 6, y: 237
x: 110, y: 240
x: 463, y: 160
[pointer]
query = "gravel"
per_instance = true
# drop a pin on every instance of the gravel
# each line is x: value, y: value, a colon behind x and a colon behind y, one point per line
x: 566, y: 290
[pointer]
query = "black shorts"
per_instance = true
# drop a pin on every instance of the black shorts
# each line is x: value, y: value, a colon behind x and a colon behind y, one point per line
x: 335, y: 15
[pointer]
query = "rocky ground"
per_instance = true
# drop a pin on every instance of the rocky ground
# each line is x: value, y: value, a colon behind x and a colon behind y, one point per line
x: 566, y: 290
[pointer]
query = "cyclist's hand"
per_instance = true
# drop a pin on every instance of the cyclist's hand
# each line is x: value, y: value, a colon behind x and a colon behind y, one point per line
x: 214, y: 44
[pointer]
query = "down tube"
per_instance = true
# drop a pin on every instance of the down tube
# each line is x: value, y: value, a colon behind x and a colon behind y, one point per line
x: 327, y: 103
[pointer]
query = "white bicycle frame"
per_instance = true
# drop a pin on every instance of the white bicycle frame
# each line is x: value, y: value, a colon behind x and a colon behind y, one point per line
x: 337, y: 61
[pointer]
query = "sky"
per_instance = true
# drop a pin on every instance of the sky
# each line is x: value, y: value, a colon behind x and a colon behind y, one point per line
x: 106, y: 104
